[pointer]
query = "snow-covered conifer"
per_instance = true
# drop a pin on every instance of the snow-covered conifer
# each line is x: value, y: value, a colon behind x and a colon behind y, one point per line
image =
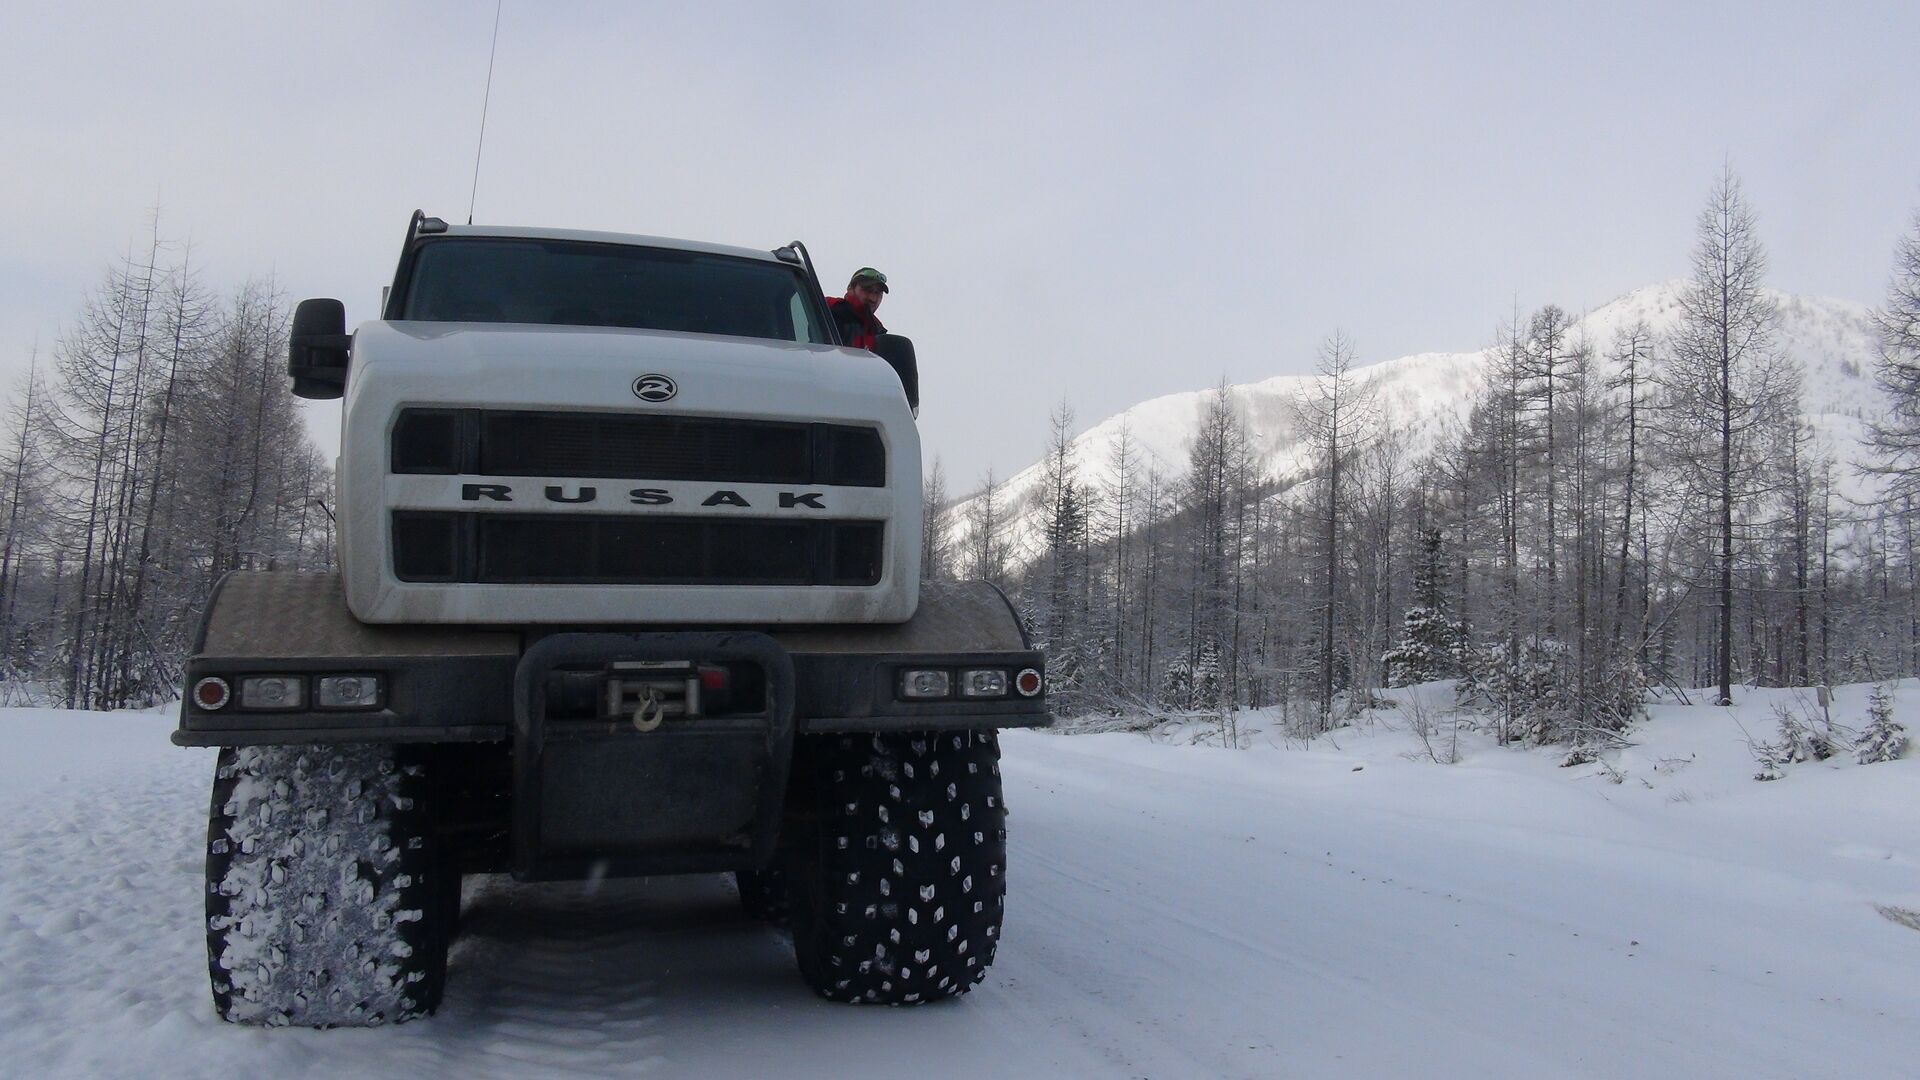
x: 1176, y: 683
x: 1209, y: 684
x: 1884, y: 738
x: 1429, y: 645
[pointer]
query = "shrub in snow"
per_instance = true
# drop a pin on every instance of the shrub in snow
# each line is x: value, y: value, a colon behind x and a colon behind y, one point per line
x: 1519, y: 686
x: 1067, y: 665
x: 1534, y: 692
x: 1803, y: 735
x: 1581, y: 754
x: 1801, y: 739
x: 1884, y: 738
x: 1618, y: 697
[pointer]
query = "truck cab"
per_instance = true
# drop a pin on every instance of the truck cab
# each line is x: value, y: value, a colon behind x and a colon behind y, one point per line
x: 564, y: 427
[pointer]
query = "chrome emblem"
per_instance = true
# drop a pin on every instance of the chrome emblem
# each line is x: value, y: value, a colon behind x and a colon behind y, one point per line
x: 654, y: 388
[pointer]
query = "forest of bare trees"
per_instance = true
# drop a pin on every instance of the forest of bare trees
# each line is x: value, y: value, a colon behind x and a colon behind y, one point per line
x: 1609, y: 516
x: 153, y: 448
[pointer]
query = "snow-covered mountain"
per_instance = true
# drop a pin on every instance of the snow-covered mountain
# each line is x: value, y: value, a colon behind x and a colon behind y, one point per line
x: 1832, y: 339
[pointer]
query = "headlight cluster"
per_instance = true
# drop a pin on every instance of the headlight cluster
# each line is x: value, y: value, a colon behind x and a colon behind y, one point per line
x: 933, y: 684
x: 289, y: 693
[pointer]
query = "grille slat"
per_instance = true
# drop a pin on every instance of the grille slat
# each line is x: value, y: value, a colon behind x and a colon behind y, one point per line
x: 634, y: 550
x: 647, y: 446
x: 661, y: 448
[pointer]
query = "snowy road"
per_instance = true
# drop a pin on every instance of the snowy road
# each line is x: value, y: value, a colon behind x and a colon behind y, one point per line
x: 1173, y: 912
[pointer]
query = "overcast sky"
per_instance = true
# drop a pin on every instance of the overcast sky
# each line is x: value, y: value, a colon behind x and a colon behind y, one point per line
x: 1100, y: 202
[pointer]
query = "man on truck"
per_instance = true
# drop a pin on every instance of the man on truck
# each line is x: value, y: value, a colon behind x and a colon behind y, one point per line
x: 854, y: 312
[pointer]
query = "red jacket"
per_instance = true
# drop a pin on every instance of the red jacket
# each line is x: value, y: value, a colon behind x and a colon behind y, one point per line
x: 857, y: 323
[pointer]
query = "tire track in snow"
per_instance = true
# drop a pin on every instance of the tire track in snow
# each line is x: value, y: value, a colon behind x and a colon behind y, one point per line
x: 1413, y: 944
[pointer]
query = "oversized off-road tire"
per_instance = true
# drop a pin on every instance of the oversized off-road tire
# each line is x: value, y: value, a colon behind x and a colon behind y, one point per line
x: 897, y: 865
x: 327, y: 905
x: 763, y: 895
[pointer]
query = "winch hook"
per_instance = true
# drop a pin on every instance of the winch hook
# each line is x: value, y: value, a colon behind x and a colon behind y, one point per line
x: 650, y: 712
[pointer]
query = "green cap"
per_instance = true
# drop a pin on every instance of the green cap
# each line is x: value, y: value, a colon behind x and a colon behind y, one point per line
x: 868, y: 273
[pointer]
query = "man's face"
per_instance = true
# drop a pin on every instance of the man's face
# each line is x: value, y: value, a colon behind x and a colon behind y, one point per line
x: 869, y: 293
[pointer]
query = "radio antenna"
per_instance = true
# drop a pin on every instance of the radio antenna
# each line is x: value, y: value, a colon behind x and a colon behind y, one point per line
x: 485, y: 100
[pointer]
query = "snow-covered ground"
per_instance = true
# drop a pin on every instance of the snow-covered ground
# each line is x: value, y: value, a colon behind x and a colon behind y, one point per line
x: 1176, y: 910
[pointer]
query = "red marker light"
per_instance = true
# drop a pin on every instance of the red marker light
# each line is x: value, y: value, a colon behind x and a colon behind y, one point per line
x: 1027, y: 682
x: 211, y: 693
x: 713, y: 678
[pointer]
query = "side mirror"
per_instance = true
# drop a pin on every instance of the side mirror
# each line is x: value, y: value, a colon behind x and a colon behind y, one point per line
x: 898, y: 351
x: 317, y: 349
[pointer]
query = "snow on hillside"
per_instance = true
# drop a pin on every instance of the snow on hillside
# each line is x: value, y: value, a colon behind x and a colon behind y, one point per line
x: 1832, y: 339
x: 1349, y: 909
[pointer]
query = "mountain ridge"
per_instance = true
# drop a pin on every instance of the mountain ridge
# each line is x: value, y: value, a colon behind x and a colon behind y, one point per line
x: 1832, y: 339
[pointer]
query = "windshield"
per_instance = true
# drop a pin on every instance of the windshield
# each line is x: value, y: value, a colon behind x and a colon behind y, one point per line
x: 578, y: 283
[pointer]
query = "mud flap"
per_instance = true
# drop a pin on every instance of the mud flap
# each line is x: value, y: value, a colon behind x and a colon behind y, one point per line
x: 600, y: 793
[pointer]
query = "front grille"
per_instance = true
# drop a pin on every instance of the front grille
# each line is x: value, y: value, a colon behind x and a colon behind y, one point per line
x: 633, y: 550
x: 483, y: 442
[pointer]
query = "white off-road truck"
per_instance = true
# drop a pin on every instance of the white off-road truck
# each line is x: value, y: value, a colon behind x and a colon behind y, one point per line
x: 629, y: 551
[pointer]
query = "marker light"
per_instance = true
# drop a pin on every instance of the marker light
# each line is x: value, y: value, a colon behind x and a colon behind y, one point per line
x: 1027, y: 682
x: 273, y: 692
x: 925, y: 684
x: 211, y: 693
x: 985, y: 683
x: 348, y: 691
